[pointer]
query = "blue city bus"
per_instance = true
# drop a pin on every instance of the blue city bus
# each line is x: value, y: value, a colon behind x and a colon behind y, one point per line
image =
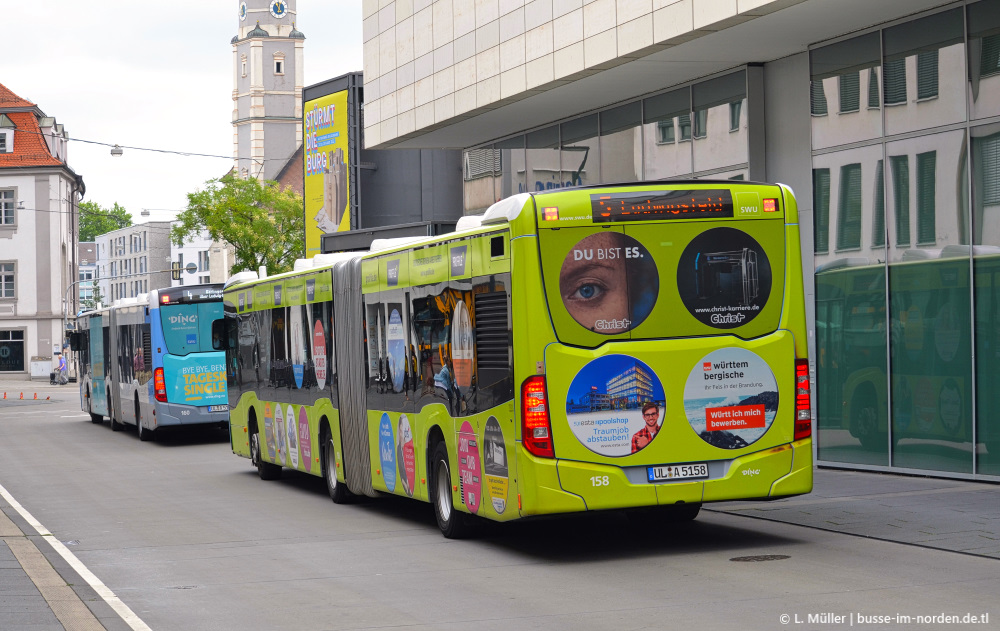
x: 163, y: 361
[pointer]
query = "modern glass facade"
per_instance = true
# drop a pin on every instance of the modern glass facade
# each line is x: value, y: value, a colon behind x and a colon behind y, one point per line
x: 698, y: 130
x: 906, y: 161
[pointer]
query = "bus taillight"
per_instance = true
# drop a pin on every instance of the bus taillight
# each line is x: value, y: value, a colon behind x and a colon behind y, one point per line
x: 536, y: 430
x: 803, y: 413
x: 159, y: 385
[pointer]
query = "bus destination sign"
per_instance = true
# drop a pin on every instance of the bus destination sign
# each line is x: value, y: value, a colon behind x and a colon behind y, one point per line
x: 660, y: 205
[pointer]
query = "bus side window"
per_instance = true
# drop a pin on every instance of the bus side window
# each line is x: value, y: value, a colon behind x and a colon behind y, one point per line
x: 219, y: 335
x: 280, y: 373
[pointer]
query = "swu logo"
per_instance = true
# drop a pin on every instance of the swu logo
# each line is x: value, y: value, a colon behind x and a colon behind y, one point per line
x: 183, y: 319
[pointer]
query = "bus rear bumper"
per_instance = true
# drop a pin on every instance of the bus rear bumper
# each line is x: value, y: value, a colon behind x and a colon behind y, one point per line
x: 172, y: 414
x: 567, y: 486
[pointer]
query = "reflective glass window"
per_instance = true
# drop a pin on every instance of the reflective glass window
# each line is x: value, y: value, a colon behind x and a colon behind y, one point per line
x: 984, y: 59
x: 929, y: 308
x: 542, y: 159
x: 715, y: 143
x: 918, y: 95
x: 512, y: 175
x: 986, y: 266
x: 621, y: 143
x: 665, y: 130
x: 836, y: 74
x: 580, y: 153
x: 479, y: 167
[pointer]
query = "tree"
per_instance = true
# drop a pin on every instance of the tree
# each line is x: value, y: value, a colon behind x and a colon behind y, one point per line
x: 263, y: 223
x: 91, y: 303
x: 95, y: 220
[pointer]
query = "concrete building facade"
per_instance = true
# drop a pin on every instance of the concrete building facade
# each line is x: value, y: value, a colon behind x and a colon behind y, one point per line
x: 133, y: 260
x: 39, y: 196
x: 884, y: 117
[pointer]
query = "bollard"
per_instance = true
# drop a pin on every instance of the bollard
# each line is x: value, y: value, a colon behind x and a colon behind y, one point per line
x: 36, y: 396
x: 22, y: 395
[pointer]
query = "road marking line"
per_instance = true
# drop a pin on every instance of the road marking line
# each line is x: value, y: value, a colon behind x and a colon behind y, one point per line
x: 123, y: 610
x: 75, y: 416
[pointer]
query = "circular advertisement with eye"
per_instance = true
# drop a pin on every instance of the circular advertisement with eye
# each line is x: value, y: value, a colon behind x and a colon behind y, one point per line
x: 305, y: 439
x: 468, y: 467
x: 461, y: 345
x: 615, y: 405
x: 319, y: 354
x: 724, y: 278
x: 405, y: 455
x: 609, y: 283
x: 396, y: 345
x: 279, y: 434
x: 269, y: 430
x: 495, y: 464
x: 387, y: 452
x: 731, y: 398
x: 293, y: 438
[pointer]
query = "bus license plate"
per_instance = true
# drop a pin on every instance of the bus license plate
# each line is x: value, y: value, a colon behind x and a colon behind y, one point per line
x: 218, y: 408
x: 677, y: 472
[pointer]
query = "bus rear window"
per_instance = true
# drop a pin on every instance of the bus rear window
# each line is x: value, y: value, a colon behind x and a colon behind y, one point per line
x: 188, y: 328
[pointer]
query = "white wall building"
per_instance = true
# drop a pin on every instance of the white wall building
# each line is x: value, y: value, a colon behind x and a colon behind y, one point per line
x: 39, y: 194
x: 200, y: 261
x: 133, y: 260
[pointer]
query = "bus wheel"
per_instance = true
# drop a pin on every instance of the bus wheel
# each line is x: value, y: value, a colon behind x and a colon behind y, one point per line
x: 96, y: 419
x: 265, y: 470
x: 144, y: 434
x: 453, y: 524
x: 115, y: 425
x: 338, y: 490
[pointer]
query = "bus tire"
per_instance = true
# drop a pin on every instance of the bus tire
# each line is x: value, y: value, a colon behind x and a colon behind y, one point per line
x: 453, y: 524
x: 96, y: 419
x: 266, y: 470
x: 338, y: 490
x: 115, y: 425
x: 144, y: 434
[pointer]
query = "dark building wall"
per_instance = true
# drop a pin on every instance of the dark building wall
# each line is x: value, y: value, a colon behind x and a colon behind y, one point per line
x: 410, y: 185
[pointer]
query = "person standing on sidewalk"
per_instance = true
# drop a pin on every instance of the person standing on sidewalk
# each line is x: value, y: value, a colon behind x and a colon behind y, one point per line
x: 63, y: 378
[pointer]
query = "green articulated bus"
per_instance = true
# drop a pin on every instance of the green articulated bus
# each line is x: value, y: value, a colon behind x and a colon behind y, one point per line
x: 640, y: 346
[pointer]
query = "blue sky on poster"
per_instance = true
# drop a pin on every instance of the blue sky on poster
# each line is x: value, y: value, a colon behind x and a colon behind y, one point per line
x: 155, y: 75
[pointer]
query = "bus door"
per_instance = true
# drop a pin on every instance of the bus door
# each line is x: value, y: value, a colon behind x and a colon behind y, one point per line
x: 98, y: 382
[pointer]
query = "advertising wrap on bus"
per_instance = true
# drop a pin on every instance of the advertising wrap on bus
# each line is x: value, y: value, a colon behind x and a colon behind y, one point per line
x: 196, y: 379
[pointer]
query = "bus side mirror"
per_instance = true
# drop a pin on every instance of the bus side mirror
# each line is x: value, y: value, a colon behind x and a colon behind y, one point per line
x: 74, y: 341
x: 219, y: 334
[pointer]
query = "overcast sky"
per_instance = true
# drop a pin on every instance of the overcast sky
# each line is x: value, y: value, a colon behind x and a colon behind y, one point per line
x: 157, y: 75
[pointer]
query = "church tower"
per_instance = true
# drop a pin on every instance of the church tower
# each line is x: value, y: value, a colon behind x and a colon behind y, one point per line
x: 267, y: 87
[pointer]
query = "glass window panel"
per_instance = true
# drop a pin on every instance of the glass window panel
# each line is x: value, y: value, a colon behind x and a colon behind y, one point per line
x: 929, y: 308
x: 836, y: 71
x: 734, y: 115
x: 873, y: 98
x: 920, y: 95
x: 850, y: 92
x: 512, y: 175
x: 714, y: 145
x: 477, y: 180
x: 849, y: 208
x: 542, y: 157
x: 901, y: 197
x: 851, y: 326
x: 984, y: 59
x: 986, y: 263
x: 621, y: 143
x: 580, y: 157
x: 666, y: 119
x: 878, y: 225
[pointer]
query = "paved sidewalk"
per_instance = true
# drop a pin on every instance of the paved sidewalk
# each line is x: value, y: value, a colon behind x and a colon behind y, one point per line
x: 954, y: 515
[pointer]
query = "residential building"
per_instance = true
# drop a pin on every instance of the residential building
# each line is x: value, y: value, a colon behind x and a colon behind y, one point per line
x: 133, y: 260
x: 87, y: 259
x: 200, y: 261
x: 884, y: 117
x: 39, y: 193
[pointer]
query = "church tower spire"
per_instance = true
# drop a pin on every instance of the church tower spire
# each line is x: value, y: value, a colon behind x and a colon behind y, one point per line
x: 267, y: 87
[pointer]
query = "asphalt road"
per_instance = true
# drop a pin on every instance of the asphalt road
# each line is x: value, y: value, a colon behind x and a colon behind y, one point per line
x: 185, y: 534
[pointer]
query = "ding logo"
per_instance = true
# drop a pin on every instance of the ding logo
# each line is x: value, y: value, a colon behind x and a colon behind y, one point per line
x: 183, y: 319
x: 458, y: 260
x: 392, y: 273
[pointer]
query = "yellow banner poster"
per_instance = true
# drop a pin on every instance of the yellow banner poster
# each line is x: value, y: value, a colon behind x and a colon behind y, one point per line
x: 326, y: 179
